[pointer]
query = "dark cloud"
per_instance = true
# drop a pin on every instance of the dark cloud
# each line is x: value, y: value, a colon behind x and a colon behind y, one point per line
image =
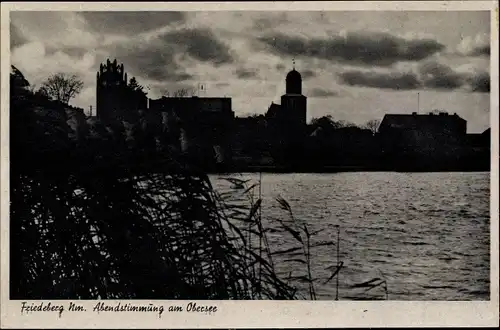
x: 245, y: 73
x: 436, y: 75
x: 156, y: 60
x: 480, y: 51
x: 479, y: 82
x: 319, y: 92
x: 392, y: 80
x: 200, y: 44
x: 381, y: 49
x: 70, y: 51
x: 152, y: 61
x: 180, y: 76
x: 430, y: 75
x: 130, y: 22
x: 265, y: 23
x: 149, y: 61
x: 16, y: 37
x: 479, y: 46
x: 221, y: 85
x: 306, y: 74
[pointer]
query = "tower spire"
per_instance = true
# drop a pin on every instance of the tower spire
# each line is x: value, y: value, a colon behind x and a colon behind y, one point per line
x: 293, y: 63
x: 418, y: 102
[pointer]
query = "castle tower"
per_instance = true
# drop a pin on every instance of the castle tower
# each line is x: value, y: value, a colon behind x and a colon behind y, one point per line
x: 294, y: 104
x: 111, y: 85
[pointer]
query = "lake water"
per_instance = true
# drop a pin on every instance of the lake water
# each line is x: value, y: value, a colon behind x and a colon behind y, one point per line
x: 426, y: 234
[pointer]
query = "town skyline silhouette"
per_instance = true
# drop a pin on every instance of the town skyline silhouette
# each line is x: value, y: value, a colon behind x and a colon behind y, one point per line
x: 350, y: 73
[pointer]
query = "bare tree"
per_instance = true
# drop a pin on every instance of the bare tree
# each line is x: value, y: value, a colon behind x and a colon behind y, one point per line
x: 328, y: 122
x: 62, y: 87
x: 373, y: 125
x: 182, y: 92
x: 436, y: 111
x: 33, y: 89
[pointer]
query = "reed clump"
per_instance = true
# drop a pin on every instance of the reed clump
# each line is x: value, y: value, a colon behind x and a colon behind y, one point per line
x: 110, y: 227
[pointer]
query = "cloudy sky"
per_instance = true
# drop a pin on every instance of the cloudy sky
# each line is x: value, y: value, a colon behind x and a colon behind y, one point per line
x: 356, y: 66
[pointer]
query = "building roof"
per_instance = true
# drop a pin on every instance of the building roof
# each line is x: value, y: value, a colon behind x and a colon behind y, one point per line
x: 414, y: 120
x: 273, y: 110
x: 487, y: 132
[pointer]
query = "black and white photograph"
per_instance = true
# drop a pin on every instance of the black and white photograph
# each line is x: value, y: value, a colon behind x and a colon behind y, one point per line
x: 316, y: 155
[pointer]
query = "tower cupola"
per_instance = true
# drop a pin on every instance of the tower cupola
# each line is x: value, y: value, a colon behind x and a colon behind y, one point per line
x: 293, y: 81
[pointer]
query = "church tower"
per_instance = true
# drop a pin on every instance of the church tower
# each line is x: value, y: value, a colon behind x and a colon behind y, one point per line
x: 293, y: 103
x: 111, y: 85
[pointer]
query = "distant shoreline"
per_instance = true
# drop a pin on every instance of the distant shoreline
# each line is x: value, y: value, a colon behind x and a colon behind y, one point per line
x: 341, y: 169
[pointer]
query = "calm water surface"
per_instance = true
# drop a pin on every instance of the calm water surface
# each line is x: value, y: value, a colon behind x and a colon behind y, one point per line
x: 426, y: 234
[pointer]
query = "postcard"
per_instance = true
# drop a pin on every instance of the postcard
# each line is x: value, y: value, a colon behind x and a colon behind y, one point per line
x: 249, y: 164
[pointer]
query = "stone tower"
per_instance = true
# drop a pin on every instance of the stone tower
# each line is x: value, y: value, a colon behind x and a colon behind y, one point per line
x: 111, y: 92
x: 294, y: 104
